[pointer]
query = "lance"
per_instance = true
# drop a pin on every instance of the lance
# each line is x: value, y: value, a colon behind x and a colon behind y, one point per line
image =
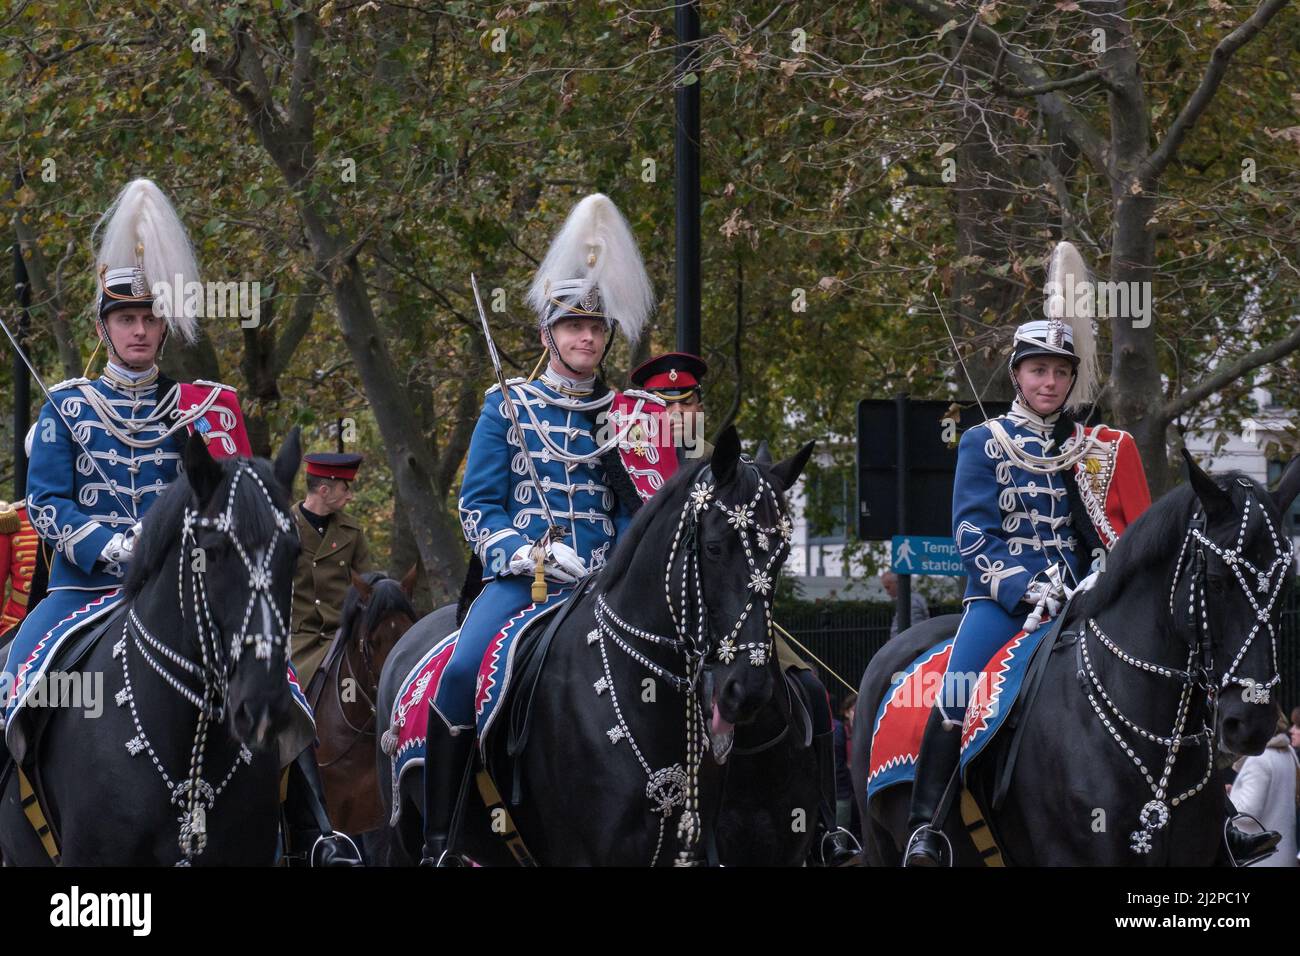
x: 109, y: 485
x: 554, y: 531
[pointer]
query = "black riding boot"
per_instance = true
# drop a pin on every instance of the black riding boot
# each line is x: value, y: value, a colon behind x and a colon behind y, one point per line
x: 1246, y: 848
x: 832, y: 845
x: 310, y: 836
x: 443, y: 778
x: 940, y: 750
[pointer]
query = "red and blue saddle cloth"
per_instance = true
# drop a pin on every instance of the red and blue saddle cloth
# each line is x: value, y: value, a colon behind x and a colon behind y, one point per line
x: 902, y: 715
x: 408, y: 725
x: 63, y: 615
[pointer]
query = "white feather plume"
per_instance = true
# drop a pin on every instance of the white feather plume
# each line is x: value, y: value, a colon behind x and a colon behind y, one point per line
x: 595, y: 228
x: 1068, y: 276
x: 143, y: 218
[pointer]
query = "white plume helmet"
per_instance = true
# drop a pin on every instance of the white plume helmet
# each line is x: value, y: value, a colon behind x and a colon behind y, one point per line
x: 1070, y: 298
x: 594, y: 250
x: 141, y: 229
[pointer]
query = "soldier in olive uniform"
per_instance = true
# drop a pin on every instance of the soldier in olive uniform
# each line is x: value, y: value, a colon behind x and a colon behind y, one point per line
x: 333, y: 546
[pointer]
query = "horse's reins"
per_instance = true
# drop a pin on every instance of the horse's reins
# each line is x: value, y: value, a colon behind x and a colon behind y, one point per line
x: 678, y: 786
x: 217, y: 661
x: 368, y: 663
x: 1155, y: 814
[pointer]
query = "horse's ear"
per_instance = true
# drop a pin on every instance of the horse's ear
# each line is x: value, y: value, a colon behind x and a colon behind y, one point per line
x: 203, y: 472
x: 726, y: 454
x: 287, y: 460
x: 409, y: 580
x: 1214, y: 499
x: 362, y: 587
x: 1288, y: 487
x: 764, y: 454
x: 788, y: 471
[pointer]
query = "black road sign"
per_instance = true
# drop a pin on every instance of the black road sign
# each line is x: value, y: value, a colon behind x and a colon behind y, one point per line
x: 930, y: 432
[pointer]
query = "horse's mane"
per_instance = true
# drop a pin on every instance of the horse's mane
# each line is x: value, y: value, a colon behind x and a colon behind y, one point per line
x: 351, y: 610
x: 1153, y: 539
x: 386, y: 597
x: 161, y: 530
x: 670, y: 496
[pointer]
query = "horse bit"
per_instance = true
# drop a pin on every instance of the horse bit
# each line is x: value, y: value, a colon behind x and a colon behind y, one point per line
x: 216, y: 665
x: 1155, y: 814
x: 675, y: 786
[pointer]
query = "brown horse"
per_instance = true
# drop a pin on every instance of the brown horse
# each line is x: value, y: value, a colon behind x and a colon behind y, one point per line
x: 376, y: 613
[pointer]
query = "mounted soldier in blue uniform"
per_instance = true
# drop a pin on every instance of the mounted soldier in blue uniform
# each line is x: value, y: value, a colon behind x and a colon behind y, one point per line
x: 104, y: 450
x: 591, y: 284
x: 1038, y: 499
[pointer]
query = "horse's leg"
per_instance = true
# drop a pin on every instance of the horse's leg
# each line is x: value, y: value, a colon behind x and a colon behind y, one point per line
x: 1060, y: 809
x: 884, y: 824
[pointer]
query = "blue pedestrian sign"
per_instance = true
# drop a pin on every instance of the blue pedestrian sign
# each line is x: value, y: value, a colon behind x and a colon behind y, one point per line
x: 914, y: 554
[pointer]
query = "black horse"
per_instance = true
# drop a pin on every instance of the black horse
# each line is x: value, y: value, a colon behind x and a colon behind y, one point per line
x: 661, y: 659
x: 1177, y: 643
x: 183, y: 765
x: 771, y: 792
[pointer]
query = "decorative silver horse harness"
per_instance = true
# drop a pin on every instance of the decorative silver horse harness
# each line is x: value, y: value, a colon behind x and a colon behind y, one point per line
x: 678, y: 786
x: 1155, y: 814
x: 195, y: 795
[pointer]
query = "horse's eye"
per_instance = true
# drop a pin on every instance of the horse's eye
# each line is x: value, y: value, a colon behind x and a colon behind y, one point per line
x: 1216, y: 585
x: 713, y: 549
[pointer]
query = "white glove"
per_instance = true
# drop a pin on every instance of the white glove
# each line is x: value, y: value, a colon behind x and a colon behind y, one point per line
x: 560, y: 564
x: 563, y: 563
x: 521, y: 562
x: 119, y: 548
x: 1085, y: 585
x: 1047, y: 601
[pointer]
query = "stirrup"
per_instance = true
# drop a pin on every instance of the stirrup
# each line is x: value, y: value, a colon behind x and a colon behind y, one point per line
x: 1227, y: 844
x: 312, y: 860
x: 446, y: 860
x: 916, y: 835
x: 830, y: 835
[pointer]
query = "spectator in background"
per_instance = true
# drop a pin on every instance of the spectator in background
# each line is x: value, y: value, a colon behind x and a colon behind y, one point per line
x: 1266, y: 789
x: 919, y: 611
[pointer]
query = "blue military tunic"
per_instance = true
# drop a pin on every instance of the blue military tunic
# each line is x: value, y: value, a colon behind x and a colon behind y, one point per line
x: 500, y: 512
x: 136, y: 435
x: 1010, y: 524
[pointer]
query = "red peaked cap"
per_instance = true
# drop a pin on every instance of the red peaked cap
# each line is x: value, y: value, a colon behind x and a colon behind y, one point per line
x: 673, y: 371
x: 332, y: 465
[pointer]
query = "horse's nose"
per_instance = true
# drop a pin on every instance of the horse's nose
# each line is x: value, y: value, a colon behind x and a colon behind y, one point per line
x: 732, y: 697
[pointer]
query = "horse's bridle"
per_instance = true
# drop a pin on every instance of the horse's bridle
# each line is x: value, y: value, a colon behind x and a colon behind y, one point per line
x: 675, y: 786
x: 1193, y: 554
x: 369, y: 728
x: 1200, y: 668
x: 217, y: 663
x: 690, y: 616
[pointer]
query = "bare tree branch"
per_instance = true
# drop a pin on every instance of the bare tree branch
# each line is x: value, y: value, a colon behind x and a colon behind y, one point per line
x: 1225, y: 375
x: 1089, y: 76
x: 1209, y: 85
x: 1072, y: 122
